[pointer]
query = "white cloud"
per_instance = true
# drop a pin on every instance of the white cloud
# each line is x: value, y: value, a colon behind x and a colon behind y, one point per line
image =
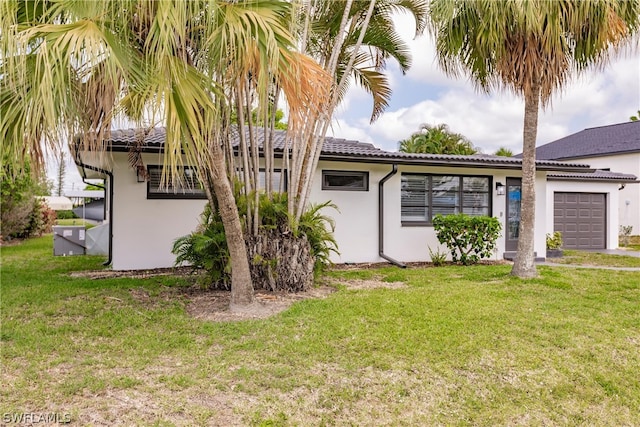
x: 493, y: 121
x: 341, y: 129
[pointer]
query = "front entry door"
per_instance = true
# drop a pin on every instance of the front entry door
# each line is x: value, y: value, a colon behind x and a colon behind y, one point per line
x: 512, y: 227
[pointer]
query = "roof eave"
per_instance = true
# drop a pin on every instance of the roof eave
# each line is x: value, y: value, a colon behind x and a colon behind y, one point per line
x: 450, y: 162
x: 593, y: 179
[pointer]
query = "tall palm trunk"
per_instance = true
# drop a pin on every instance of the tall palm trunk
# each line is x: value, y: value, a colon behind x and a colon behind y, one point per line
x: 524, y: 265
x: 241, y: 285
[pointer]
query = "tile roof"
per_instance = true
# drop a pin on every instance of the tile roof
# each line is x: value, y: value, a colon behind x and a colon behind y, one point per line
x: 597, y: 175
x: 594, y: 142
x: 341, y: 149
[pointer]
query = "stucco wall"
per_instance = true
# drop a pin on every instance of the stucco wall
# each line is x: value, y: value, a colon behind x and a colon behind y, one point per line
x: 357, y: 222
x: 611, y: 198
x: 629, y: 197
x: 143, y: 229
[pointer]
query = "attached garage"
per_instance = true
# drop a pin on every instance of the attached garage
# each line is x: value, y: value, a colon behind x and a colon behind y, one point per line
x: 581, y: 218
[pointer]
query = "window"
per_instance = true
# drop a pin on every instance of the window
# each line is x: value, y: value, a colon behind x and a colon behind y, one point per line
x: 275, y: 180
x: 345, y: 180
x: 188, y: 188
x: 424, y: 196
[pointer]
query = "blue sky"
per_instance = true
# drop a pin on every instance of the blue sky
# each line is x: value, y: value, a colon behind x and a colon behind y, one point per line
x: 426, y: 95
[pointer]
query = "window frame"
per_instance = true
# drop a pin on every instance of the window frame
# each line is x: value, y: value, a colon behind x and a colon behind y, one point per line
x: 363, y: 174
x: 175, y: 193
x: 460, y: 193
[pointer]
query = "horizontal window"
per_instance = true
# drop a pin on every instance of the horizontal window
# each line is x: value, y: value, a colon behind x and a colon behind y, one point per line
x: 345, y: 180
x: 186, y: 186
x: 424, y: 196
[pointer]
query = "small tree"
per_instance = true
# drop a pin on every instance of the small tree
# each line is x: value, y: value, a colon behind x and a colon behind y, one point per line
x: 469, y: 238
x: 62, y: 171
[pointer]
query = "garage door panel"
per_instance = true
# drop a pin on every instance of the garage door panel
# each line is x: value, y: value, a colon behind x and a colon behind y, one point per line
x: 571, y: 198
x: 581, y: 219
x: 571, y: 213
x: 570, y: 242
x: 584, y: 213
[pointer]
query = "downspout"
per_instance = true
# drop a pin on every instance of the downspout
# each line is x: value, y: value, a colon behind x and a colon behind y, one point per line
x: 110, y: 175
x: 394, y: 170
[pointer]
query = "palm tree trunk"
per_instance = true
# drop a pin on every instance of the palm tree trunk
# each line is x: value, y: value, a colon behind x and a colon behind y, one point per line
x: 524, y: 265
x: 241, y: 284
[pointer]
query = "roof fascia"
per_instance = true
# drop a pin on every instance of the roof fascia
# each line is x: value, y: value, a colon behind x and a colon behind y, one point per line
x: 452, y: 163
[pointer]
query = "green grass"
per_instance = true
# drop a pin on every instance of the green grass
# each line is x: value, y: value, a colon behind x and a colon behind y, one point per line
x: 457, y: 346
x: 593, y: 258
x: 74, y: 221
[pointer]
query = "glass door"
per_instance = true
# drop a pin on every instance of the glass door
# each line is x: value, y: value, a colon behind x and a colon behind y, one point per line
x: 514, y: 197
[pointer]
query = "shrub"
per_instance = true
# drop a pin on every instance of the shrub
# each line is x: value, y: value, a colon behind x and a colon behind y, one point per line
x: 319, y: 230
x: 66, y: 214
x: 20, y: 213
x: 41, y: 219
x: 469, y: 238
x: 625, y: 233
x: 437, y: 258
x: 206, y: 248
x: 554, y: 241
x: 280, y: 258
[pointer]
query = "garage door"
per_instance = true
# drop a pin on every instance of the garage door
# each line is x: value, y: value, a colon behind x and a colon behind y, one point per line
x: 580, y: 217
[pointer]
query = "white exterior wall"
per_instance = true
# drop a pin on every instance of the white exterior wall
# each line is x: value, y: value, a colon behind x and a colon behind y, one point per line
x: 629, y: 197
x: 357, y: 222
x: 144, y: 229
x: 611, y: 199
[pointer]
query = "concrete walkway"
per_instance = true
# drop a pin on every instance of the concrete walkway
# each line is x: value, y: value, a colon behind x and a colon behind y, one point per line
x: 635, y: 254
x: 602, y: 267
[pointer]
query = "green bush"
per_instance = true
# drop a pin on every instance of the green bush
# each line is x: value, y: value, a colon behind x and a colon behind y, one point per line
x: 311, y: 242
x: 22, y: 215
x: 206, y: 248
x: 469, y: 238
x: 41, y: 220
x: 554, y: 241
x: 66, y: 215
x: 319, y: 231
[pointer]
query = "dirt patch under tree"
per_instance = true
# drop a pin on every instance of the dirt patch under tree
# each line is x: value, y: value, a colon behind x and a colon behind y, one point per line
x: 213, y: 305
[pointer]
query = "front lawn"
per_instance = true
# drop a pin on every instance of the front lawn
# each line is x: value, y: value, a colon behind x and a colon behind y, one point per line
x: 455, y: 346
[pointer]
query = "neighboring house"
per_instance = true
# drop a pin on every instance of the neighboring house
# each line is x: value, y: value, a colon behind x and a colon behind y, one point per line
x: 386, y: 200
x: 614, y: 147
x: 58, y: 203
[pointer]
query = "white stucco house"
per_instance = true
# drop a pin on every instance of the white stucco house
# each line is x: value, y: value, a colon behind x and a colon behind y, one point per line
x: 386, y: 199
x: 607, y: 148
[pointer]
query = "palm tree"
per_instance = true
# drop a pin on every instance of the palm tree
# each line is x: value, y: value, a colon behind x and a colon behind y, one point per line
x: 352, y: 40
x: 503, y: 152
x: 530, y: 48
x: 437, y: 140
x: 636, y: 117
x: 70, y: 67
